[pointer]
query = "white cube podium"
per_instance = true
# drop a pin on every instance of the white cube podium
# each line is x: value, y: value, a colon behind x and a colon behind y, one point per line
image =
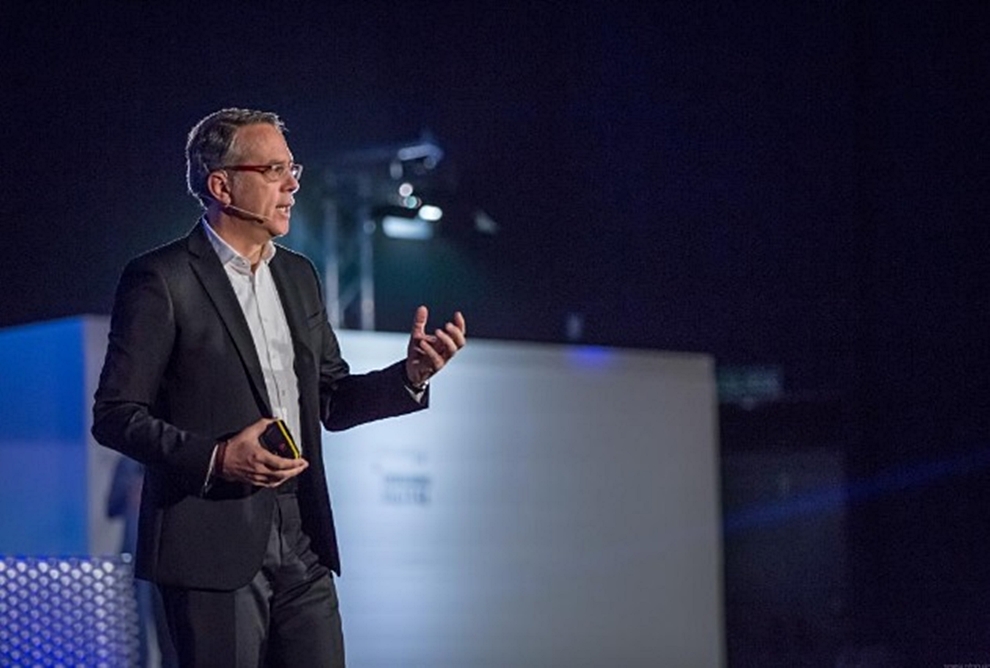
x: 557, y: 505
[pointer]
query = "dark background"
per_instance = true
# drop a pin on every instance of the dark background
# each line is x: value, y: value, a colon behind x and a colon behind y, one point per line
x: 800, y: 186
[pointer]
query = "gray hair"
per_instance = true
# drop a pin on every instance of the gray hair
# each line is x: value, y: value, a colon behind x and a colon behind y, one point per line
x: 210, y: 141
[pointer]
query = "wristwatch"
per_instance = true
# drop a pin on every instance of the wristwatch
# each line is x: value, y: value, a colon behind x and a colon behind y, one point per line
x: 411, y: 386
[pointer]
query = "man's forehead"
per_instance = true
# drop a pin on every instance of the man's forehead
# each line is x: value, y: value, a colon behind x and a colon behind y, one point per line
x: 260, y: 140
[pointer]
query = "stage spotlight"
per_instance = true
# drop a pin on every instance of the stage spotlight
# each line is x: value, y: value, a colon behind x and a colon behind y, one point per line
x: 396, y: 227
x: 430, y: 213
x: 404, y: 223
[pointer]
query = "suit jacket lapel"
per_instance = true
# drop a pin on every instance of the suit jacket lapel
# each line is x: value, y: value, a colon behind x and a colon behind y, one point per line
x: 206, y: 265
x: 292, y: 304
x: 295, y: 313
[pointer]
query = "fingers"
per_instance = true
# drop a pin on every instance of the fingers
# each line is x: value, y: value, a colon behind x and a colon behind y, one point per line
x: 281, y: 472
x: 419, y: 321
x: 451, y: 338
x: 460, y: 323
x: 431, y: 358
x: 276, y: 463
x: 266, y: 462
x: 271, y: 471
x: 457, y: 331
x: 445, y: 345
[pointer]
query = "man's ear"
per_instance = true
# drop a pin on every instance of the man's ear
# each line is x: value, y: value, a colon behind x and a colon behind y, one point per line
x: 219, y: 189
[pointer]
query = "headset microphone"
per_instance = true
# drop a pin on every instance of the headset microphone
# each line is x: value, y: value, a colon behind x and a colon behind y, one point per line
x: 250, y: 215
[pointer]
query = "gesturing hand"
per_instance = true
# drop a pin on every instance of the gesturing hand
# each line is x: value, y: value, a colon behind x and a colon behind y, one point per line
x: 244, y: 460
x: 428, y: 353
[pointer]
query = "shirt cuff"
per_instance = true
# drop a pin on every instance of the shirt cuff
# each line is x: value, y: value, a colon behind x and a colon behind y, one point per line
x: 209, y: 473
x: 418, y: 394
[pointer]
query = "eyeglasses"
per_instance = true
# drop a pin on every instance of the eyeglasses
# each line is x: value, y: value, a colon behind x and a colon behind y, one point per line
x: 272, y: 173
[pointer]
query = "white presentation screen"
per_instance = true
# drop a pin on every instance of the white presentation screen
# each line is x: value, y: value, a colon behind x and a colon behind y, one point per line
x: 555, y: 506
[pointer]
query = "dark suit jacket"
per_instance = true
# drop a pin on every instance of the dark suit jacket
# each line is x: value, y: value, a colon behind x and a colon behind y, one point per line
x: 181, y: 372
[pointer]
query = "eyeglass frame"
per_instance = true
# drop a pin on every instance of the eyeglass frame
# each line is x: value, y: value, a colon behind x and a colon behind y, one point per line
x: 293, y: 168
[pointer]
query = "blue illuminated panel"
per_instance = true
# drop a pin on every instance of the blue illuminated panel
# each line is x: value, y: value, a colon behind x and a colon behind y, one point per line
x: 67, y: 612
x: 43, y: 440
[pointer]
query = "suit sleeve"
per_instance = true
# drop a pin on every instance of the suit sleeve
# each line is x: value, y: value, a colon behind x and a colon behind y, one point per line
x: 357, y: 399
x: 142, y: 333
x: 348, y: 400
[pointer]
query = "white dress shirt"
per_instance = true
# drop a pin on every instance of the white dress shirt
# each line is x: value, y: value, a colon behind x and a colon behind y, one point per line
x: 265, y: 317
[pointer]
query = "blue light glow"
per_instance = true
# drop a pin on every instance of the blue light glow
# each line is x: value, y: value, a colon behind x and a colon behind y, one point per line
x: 590, y: 357
x: 835, y: 498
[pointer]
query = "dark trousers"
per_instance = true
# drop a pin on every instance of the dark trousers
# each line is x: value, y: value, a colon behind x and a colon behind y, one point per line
x: 286, y: 616
x: 151, y: 614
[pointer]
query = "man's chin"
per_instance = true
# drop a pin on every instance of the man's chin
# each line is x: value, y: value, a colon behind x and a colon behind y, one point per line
x: 277, y: 229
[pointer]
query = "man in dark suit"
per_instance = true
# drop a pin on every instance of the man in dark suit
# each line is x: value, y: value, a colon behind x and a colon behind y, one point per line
x: 212, y: 337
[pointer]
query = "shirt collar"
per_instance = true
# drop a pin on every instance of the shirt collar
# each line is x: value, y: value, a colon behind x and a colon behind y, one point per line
x: 228, y: 256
